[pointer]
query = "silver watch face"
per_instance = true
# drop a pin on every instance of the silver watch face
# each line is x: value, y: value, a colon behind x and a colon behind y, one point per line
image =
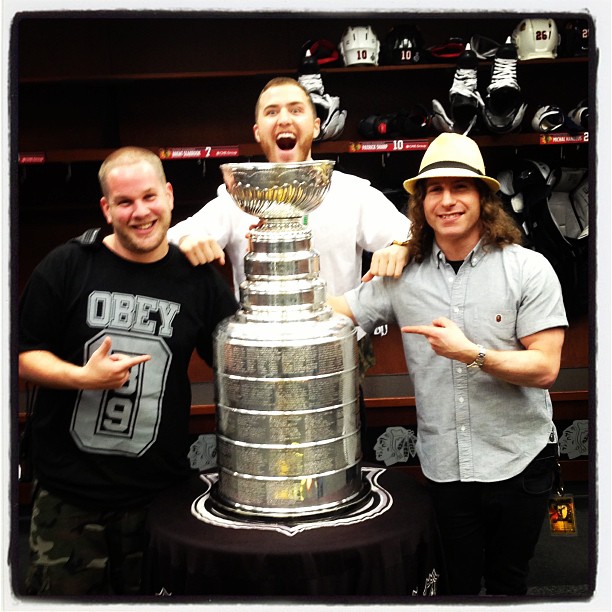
x: 479, y: 361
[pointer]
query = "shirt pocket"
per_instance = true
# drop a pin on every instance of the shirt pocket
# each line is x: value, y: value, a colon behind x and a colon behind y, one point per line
x: 490, y: 324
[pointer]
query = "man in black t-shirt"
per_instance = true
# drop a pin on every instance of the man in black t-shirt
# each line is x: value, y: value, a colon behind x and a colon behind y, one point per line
x: 107, y: 330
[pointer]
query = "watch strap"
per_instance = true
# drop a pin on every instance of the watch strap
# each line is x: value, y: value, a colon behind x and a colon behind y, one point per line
x: 479, y: 361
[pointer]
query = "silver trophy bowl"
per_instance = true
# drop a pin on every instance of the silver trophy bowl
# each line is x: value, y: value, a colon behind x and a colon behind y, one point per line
x: 276, y: 190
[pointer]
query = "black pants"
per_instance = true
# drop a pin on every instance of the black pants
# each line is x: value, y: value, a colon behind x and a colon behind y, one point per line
x: 490, y: 529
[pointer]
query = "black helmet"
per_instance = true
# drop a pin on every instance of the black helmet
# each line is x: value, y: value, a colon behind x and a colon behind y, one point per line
x: 528, y: 175
x: 574, y: 38
x: 403, y: 45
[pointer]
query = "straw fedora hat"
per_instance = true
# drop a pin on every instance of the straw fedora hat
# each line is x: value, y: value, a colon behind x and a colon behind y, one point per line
x: 452, y: 155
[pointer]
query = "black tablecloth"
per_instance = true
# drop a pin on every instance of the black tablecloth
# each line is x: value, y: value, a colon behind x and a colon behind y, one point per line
x: 396, y: 553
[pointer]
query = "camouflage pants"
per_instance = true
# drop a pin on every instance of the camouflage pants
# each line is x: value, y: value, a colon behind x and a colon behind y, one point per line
x: 74, y: 551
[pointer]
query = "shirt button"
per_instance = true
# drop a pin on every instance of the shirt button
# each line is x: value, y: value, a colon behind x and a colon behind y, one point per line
x: 463, y: 428
x: 459, y: 370
x: 461, y: 400
x: 456, y: 309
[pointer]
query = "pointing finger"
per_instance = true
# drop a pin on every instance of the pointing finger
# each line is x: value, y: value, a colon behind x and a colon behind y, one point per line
x: 138, y: 359
x: 367, y: 277
x: 129, y: 362
x: 424, y: 330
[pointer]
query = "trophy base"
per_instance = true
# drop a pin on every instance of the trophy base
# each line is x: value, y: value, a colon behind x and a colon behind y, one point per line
x: 218, y: 506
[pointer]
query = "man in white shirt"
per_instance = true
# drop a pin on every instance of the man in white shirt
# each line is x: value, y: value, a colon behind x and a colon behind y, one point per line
x: 354, y: 216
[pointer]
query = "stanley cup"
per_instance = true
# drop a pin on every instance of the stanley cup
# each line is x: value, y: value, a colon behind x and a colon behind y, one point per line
x: 286, y: 372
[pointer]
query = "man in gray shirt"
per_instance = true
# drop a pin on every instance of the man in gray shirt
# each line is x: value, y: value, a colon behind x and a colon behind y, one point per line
x: 484, y: 324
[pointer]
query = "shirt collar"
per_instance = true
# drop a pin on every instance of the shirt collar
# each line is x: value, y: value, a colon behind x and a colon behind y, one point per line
x: 474, y: 256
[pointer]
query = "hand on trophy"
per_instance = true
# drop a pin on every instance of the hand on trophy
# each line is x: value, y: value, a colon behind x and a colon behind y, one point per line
x: 257, y: 225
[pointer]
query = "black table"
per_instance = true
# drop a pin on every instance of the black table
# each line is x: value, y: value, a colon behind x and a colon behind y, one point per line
x: 395, y: 553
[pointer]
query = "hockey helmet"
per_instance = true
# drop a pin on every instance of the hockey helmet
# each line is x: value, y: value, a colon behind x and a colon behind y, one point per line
x: 321, y: 53
x: 359, y: 45
x: 403, y: 45
x: 414, y: 122
x: 536, y: 38
x: 447, y: 51
x: 527, y: 175
x: 574, y: 38
x: 378, y: 126
x: 532, y: 173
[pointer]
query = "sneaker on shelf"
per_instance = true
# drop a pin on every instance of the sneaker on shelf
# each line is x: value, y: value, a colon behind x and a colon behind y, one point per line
x: 465, y: 100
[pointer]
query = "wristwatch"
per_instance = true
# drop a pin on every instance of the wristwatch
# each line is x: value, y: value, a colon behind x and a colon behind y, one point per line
x: 403, y: 243
x: 479, y: 361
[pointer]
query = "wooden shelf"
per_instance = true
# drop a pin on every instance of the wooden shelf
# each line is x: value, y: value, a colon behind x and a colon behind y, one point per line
x: 119, y: 77
x: 332, y: 147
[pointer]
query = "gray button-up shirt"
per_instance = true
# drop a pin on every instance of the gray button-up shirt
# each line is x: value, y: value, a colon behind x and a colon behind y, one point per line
x: 471, y: 426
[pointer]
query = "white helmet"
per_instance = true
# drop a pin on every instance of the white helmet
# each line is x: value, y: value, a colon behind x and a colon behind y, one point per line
x: 359, y: 45
x: 536, y: 38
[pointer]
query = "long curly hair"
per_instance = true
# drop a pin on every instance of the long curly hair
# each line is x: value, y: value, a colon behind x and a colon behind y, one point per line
x: 498, y: 227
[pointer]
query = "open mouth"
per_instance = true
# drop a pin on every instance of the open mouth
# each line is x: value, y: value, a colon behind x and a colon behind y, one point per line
x: 285, y: 142
x: 144, y: 226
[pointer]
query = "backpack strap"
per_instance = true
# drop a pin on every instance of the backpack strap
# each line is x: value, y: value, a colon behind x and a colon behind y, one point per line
x: 89, y: 237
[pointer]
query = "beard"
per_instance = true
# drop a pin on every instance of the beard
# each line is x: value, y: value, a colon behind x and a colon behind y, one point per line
x: 148, y: 244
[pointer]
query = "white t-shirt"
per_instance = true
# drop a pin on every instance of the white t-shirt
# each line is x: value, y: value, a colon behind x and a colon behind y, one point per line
x: 353, y: 217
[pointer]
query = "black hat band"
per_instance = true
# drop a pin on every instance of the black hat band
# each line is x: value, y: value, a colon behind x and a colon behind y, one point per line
x: 450, y: 164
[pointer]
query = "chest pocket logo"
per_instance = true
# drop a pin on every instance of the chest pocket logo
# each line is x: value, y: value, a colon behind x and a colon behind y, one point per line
x: 491, y: 323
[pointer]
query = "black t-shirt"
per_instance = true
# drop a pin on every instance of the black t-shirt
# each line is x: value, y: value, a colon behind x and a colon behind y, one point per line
x: 118, y: 448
